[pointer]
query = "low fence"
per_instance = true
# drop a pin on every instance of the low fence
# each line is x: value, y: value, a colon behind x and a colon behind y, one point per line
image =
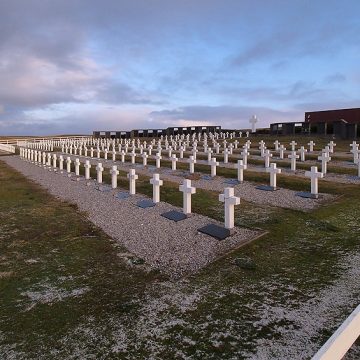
x: 8, y: 148
x: 342, y: 339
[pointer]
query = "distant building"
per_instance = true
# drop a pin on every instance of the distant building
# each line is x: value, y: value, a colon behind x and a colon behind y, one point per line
x: 156, y: 132
x: 341, y: 123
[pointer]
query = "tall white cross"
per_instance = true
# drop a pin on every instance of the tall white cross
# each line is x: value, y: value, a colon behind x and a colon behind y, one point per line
x: 213, y: 164
x: 87, y: 167
x: 293, y: 158
x: 226, y: 156
x: 293, y: 145
x: 122, y: 154
x: 273, y: 170
x: 156, y: 183
x: 229, y: 201
x: 187, y: 191
x: 276, y: 143
x: 113, y: 155
x: 244, y: 154
x: 253, y: 122
x: 282, y: 149
x: 302, y: 152
x: 54, y: 161
x: 267, y: 155
x: 99, y: 171
x: 240, y: 166
x: 174, y: 160
x: 61, y: 163
x: 331, y: 146
x: 158, y: 157
x: 114, y: 172
x: 77, y: 166
x: 144, y: 157
x: 314, y: 175
x: 132, y: 178
x: 324, y: 158
x: 68, y: 164
x: 192, y: 163
x: 311, y: 146
x: 133, y: 156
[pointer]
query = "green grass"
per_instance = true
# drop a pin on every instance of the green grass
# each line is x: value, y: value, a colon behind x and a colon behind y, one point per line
x: 48, y: 244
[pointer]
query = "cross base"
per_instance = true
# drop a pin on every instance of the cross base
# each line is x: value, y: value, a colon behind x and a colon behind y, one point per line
x: 307, y: 195
x: 145, y: 204
x: 216, y: 231
x: 103, y: 188
x: 174, y: 215
x: 266, y: 188
x: 122, y: 195
x: 232, y: 182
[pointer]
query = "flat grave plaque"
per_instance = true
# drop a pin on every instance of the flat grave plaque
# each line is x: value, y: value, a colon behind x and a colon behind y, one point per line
x: 145, y: 203
x: 206, y: 177
x: 103, y: 188
x: 307, y: 195
x: 122, y: 195
x: 266, y: 188
x: 232, y: 182
x: 174, y: 215
x: 216, y: 231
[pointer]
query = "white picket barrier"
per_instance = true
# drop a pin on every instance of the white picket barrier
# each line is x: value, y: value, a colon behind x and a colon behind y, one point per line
x: 7, y: 147
x: 342, y: 339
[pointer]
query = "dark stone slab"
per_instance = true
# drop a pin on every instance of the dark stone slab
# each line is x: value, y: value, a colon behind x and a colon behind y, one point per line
x: 231, y: 182
x: 307, y: 195
x: 266, y: 188
x: 353, y: 177
x: 174, y: 215
x: 145, y: 204
x: 218, y: 232
x: 206, y: 177
x: 122, y: 195
x: 103, y: 188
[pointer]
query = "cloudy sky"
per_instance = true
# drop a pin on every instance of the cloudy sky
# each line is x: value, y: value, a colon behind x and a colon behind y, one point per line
x: 74, y: 66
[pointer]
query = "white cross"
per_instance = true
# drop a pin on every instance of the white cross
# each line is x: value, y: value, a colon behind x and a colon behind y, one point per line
x: 68, y: 164
x: 91, y: 152
x: 273, y: 172
x: 293, y: 144
x: 311, y: 146
x: 133, y: 156
x: 192, y: 163
x: 156, y: 183
x: 314, y: 175
x: 77, y: 166
x: 302, y: 152
x: 113, y: 155
x: 181, y: 150
x: 122, y: 156
x: 276, y: 143
x: 226, y: 156
x: 158, y: 157
x: 54, y: 161
x: 253, y: 122
x: 236, y: 143
x: 331, y: 146
x: 174, y: 159
x: 209, y: 153
x: 240, y: 166
x: 114, y: 173
x: 99, y: 170
x: 132, y: 178
x: 98, y: 153
x: 267, y: 155
x: 213, y: 164
x: 244, y: 155
x: 87, y: 167
x: 144, y: 157
x: 229, y: 201
x: 293, y: 158
x: 61, y: 163
x: 324, y: 158
x: 282, y: 148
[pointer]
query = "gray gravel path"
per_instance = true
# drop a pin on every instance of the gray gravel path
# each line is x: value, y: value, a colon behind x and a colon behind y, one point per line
x: 176, y: 249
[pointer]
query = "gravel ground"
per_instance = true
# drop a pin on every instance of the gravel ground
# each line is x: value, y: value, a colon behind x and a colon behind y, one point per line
x: 281, y: 198
x: 176, y: 249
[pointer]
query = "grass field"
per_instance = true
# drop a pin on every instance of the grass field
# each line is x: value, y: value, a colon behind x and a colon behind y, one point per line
x: 69, y: 291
